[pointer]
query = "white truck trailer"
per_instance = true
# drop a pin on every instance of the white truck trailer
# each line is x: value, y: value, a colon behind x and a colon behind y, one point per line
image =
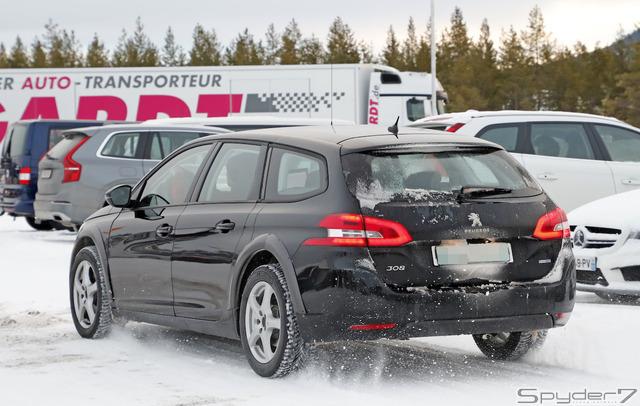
x: 361, y: 93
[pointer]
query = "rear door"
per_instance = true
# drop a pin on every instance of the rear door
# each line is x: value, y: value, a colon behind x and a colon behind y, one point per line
x: 209, y: 230
x: 623, y: 148
x: 565, y: 162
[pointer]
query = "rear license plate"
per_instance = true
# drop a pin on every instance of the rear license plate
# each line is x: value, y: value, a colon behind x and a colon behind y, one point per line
x: 586, y: 263
x: 472, y: 254
x: 46, y: 174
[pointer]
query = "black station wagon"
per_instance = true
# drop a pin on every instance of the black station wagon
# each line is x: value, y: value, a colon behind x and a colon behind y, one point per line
x: 287, y: 237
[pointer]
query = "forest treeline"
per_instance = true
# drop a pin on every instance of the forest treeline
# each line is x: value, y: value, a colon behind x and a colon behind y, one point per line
x: 526, y: 70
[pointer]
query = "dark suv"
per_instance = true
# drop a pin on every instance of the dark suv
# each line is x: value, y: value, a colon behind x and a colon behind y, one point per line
x: 284, y: 237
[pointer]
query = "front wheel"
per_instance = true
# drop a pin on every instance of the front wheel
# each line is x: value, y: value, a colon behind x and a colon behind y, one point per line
x: 90, y: 305
x: 510, y: 346
x: 268, y: 325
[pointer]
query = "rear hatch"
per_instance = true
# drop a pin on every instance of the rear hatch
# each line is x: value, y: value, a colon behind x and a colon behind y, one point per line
x: 469, y: 213
x: 57, y: 166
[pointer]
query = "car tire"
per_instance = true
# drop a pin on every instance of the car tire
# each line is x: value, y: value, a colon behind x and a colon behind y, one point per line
x: 510, y: 346
x: 617, y: 298
x: 266, y: 314
x: 44, y: 225
x: 89, y: 297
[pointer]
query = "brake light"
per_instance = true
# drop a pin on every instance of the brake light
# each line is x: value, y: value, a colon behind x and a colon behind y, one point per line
x: 454, y: 127
x: 373, y: 326
x: 72, y: 169
x: 354, y: 230
x: 552, y: 225
x: 24, y: 176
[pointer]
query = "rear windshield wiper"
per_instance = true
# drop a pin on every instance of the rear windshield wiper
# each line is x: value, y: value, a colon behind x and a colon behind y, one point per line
x: 469, y: 192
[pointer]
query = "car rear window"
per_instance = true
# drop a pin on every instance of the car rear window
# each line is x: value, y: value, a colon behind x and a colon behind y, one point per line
x: 62, y: 148
x: 377, y: 176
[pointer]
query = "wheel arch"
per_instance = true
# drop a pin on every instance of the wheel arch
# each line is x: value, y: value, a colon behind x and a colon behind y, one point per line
x: 89, y: 239
x: 263, y: 250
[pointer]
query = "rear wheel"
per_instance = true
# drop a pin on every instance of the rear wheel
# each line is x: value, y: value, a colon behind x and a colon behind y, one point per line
x: 90, y: 305
x: 510, y: 346
x: 44, y: 225
x: 268, y: 325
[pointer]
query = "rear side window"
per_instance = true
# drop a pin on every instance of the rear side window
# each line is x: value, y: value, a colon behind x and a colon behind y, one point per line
x: 622, y: 144
x: 505, y: 136
x: 164, y: 143
x: 564, y: 140
x: 295, y: 175
x: 123, y: 145
x: 63, y: 147
x: 380, y: 176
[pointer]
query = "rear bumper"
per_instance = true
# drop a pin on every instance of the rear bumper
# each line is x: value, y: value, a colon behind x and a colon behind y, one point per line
x: 15, y: 200
x: 355, y: 304
x: 62, y: 212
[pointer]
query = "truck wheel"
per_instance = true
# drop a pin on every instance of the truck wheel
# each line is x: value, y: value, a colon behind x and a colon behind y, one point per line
x: 268, y: 325
x: 510, y: 346
x: 90, y: 305
x: 44, y: 225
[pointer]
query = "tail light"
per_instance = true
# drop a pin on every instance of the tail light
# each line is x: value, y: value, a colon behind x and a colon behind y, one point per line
x: 24, y: 176
x: 354, y: 230
x: 72, y: 169
x: 454, y: 127
x: 552, y: 225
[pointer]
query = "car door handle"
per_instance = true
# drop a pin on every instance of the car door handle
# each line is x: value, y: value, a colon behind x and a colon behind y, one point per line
x: 225, y: 226
x: 547, y: 176
x: 631, y: 182
x: 164, y: 231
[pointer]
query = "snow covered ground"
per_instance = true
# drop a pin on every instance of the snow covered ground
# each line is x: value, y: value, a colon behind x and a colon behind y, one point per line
x: 44, y: 362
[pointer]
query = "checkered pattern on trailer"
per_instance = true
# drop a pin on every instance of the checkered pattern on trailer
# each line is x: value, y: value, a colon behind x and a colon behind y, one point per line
x: 299, y: 102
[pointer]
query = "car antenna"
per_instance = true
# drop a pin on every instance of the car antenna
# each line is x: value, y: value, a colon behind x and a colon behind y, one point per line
x: 394, y: 128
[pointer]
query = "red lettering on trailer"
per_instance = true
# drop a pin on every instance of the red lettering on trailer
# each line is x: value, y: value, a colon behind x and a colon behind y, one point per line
x: 373, y: 112
x: 47, y: 82
x: 219, y: 105
x: 3, y: 124
x: 89, y: 106
x: 150, y: 106
x: 41, y: 107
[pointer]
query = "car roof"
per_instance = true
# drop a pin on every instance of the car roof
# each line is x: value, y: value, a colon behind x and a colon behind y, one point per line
x: 356, y: 137
x: 464, y: 117
x: 138, y: 127
x: 256, y: 121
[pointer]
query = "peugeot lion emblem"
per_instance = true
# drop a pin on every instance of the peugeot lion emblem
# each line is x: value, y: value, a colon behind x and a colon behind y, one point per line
x: 578, y: 239
x: 475, y: 220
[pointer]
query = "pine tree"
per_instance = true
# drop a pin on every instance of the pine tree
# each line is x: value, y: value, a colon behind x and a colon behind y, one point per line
x: 341, y: 44
x: 366, y: 52
x: 423, y: 56
x: 97, y: 55
x: 538, y: 51
x: 38, y: 55
x: 312, y: 51
x: 485, y: 71
x: 410, y: 49
x: 4, y: 59
x: 244, y: 50
x: 513, y: 65
x: 172, y: 53
x: 391, y: 55
x: 63, y: 49
x: 18, y: 57
x: 290, y: 50
x: 273, y: 43
x: 206, y: 48
x: 135, y: 51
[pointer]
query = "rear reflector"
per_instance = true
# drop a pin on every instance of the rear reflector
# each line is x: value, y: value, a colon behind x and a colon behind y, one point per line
x: 354, y: 230
x: 454, y: 127
x: 24, y: 176
x: 552, y: 225
x: 373, y: 326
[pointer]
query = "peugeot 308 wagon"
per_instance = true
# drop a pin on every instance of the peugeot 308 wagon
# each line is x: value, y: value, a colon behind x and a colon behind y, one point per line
x: 282, y: 238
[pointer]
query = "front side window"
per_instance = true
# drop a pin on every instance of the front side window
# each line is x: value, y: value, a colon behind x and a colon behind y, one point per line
x: 295, y: 175
x: 171, y: 183
x: 164, y: 143
x: 123, y: 145
x: 564, y: 140
x: 380, y: 176
x: 234, y: 175
x: 622, y: 144
x: 505, y: 136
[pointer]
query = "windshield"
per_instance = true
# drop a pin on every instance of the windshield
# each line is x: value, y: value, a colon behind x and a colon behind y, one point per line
x: 379, y: 176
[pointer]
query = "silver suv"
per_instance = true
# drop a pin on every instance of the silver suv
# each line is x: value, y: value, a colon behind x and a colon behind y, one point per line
x: 75, y: 174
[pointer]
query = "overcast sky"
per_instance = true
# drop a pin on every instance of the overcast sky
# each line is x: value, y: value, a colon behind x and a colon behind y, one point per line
x: 568, y: 21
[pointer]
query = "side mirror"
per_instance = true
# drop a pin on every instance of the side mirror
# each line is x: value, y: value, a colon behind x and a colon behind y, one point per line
x: 119, y: 196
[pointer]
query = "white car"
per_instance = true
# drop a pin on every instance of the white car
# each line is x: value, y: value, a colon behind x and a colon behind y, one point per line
x: 576, y: 158
x: 606, y: 244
